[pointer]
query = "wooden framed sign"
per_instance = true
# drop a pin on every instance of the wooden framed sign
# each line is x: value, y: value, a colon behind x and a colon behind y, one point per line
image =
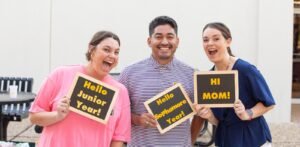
x: 216, y: 88
x: 170, y: 108
x: 92, y: 98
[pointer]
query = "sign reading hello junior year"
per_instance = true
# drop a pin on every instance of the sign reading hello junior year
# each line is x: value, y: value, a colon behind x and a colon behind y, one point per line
x: 216, y: 88
x: 92, y: 98
x: 170, y: 108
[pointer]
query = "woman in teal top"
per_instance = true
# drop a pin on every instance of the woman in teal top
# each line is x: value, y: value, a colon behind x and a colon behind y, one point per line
x: 244, y: 124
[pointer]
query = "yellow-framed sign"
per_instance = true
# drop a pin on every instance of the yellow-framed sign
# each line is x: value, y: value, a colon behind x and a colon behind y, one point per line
x: 216, y: 88
x: 92, y: 98
x: 170, y: 107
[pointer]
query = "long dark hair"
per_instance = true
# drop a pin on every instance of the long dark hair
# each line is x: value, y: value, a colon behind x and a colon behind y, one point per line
x: 223, y: 29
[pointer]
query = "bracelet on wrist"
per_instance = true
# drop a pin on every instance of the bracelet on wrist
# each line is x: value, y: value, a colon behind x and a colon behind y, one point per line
x: 250, y: 114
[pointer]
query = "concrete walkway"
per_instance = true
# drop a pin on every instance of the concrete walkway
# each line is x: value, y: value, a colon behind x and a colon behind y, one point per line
x: 284, y: 134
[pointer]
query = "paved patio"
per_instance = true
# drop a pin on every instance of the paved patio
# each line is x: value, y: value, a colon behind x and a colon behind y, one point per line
x: 284, y: 134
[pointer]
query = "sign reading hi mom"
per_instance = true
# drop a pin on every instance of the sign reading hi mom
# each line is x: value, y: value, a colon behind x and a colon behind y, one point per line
x: 92, y: 98
x: 170, y: 108
x: 216, y: 88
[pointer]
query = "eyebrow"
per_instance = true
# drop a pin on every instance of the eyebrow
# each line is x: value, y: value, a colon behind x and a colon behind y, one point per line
x: 107, y: 46
x: 217, y: 35
x: 162, y: 34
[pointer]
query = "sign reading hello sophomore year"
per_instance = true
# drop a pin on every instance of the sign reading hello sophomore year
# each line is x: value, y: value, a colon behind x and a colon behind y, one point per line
x: 216, y: 88
x: 92, y: 98
x: 170, y: 108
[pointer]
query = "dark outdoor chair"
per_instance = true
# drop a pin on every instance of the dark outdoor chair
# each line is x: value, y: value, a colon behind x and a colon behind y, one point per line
x: 208, y: 133
x: 16, y: 112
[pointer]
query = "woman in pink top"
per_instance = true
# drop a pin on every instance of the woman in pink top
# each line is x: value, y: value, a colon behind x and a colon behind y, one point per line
x: 64, y: 128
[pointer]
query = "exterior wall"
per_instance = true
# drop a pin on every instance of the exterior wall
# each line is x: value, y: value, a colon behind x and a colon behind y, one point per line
x: 275, y: 53
x: 37, y: 36
x: 24, y: 39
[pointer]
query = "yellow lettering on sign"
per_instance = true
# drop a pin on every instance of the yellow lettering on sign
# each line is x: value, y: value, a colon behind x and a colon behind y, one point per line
x: 170, y: 110
x: 90, y: 98
x: 176, y: 118
x: 215, y: 95
x: 96, y: 88
x: 165, y: 98
x: 88, y: 109
x: 215, y: 81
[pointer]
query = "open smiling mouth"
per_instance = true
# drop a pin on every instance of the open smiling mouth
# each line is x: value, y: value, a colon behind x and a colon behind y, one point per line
x: 212, y: 52
x: 108, y: 63
x: 165, y: 47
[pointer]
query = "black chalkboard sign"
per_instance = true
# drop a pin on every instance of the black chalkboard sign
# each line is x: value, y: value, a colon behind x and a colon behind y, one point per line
x: 92, y: 98
x: 170, y: 108
x: 216, y: 88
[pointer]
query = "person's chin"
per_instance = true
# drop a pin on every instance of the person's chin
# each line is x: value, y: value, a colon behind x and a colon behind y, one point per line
x: 106, y: 70
x: 212, y: 59
x: 165, y: 56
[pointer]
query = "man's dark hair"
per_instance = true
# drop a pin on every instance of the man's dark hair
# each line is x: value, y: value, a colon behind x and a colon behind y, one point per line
x: 162, y: 20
